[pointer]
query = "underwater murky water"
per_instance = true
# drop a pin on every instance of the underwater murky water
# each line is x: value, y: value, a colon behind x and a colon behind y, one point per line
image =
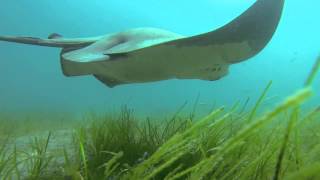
x: 34, y: 88
x: 32, y: 79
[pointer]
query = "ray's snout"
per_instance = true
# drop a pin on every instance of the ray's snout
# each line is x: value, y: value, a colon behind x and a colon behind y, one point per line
x: 73, y: 67
x: 81, y: 61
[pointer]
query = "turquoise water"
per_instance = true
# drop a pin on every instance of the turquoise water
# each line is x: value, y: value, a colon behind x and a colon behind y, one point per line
x: 31, y: 77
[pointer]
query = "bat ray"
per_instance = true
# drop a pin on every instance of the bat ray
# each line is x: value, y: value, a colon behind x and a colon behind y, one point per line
x: 149, y: 54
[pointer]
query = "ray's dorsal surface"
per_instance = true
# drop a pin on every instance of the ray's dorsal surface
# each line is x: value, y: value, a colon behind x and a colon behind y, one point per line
x: 149, y: 54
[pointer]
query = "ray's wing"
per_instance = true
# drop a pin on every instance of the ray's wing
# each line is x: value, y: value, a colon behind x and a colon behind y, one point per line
x: 242, y: 38
x: 255, y: 26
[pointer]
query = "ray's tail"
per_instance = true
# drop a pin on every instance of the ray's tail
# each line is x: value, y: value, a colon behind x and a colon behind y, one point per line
x: 50, y: 42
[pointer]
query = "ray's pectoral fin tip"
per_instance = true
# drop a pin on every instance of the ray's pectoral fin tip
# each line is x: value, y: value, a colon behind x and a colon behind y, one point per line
x: 148, y: 54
